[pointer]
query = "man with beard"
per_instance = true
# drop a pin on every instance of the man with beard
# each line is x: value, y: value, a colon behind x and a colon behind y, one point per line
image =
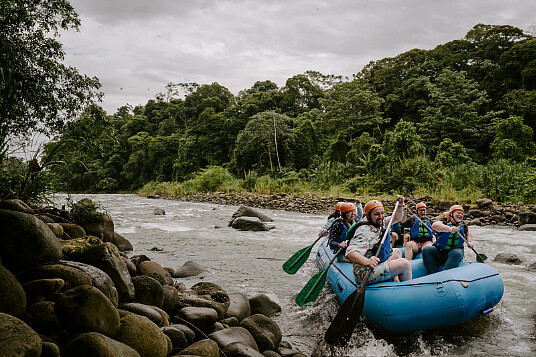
x: 390, y: 265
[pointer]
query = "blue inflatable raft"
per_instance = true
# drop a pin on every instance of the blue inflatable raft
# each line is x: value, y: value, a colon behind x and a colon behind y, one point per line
x: 445, y: 298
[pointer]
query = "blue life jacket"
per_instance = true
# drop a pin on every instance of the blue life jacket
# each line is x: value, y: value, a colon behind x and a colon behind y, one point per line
x: 448, y: 241
x: 398, y: 228
x: 385, y: 251
x: 421, y: 231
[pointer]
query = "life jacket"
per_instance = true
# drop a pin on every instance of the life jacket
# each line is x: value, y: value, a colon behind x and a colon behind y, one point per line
x: 421, y: 231
x: 398, y: 228
x: 448, y: 241
x: 385, y: 251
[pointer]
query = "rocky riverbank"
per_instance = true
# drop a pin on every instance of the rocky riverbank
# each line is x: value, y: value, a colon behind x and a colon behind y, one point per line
x: 72, y: 289
x: 482, y: 212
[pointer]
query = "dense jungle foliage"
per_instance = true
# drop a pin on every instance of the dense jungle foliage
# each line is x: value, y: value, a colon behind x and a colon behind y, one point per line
x: 456, y: 121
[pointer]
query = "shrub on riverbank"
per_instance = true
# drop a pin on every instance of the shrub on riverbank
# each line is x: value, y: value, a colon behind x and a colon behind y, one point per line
x: 501, y: 180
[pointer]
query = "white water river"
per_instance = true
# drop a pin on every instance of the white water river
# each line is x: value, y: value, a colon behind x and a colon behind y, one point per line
x: 250, y: 262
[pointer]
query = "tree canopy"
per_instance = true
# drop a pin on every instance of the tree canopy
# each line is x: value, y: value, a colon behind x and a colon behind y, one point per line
x: 37, y: 91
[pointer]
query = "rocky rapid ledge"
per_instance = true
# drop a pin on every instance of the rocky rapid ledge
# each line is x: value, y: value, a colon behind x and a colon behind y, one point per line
x: 73, y: 290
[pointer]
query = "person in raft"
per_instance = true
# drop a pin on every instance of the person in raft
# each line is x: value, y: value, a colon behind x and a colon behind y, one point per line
x: 331, y: 219
x: 363, y: 246
x: 343, y: 228
x: 448, y: 249
x: 420, y: 234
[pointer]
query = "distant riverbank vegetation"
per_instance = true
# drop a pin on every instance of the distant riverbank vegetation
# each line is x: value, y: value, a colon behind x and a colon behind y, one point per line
x: 455, y: 122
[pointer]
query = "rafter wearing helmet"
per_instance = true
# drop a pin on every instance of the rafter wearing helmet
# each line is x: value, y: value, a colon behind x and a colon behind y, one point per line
x: 420, y: 233
x: 448, y: 249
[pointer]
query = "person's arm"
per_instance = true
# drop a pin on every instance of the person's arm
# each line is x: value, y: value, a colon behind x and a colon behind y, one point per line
x: 336, y: 231
x: 439, y: 226
x: 397, y: 216
x: 358, y: 258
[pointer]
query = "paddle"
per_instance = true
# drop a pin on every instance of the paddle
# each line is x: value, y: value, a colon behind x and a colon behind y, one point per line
x: 315, y: 285
x: 294, y: 263
x: 479, y: 257
x: 343, y: 325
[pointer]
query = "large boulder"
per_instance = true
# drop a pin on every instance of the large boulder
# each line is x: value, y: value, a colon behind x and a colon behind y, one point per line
x: 86, y: 309
x: 122, y: 243
x: 238, y: 307
x: 188, y: 269
x: 72, y: 277
x: 26, y: 241
x: 526, y: 217
x: 14, y: 204
x: 99, y: 279
x: 262, y: 304
x: 171, y: 295
x: 107, y: 257
x: 101, y: 226
x: 232, y: 335
x: 143, y: 310
x: 92, y: 344
x: 151, y: 267
x: 143, y: 335
x: 253, y: 224
x: 205, y: 295
x: 56, y: 228
x: 42, y: 318
x: 148, y: 291
x: 12, y: 297
x: 43, y: 289
x: 200, y: 317
x: 264, y: 330
x: 507, y: 258
x: 17, y: 338
x: 528, y: 227
x: 245, y: 211
x: 73, y: 230
x: 180, y: 335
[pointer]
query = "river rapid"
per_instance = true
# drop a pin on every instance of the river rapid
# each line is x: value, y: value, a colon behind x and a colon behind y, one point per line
x: 250, y: 262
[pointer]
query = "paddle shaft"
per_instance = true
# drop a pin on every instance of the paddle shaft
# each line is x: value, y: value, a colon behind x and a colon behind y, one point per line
x: 341, y: 328
x: 481, y: 256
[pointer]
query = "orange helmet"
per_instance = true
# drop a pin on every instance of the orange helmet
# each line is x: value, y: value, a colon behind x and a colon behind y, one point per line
x: 371, y: 205
x: 338, y: 206
x: 456, y: 208
x: 421, y: 205
x: 347, y: 207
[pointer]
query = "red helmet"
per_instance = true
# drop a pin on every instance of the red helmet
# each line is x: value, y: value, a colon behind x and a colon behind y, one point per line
x: 371, y: 205
x: 338, y: 206
x: 455, y: 208
x: 421, y: 205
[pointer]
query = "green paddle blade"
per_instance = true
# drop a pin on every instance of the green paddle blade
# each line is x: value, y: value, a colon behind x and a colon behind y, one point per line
x: 481, y: 257
x: 294, y: 263
x: 313, y: 288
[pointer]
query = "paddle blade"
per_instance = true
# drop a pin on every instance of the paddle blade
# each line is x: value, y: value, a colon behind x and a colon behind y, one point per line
x: 481, y: 258
x: 294, y: 263
x: 313, y: 288
x: 343, y: 325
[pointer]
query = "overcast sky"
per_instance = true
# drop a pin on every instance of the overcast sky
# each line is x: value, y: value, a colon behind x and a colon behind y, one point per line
x: 136, y: 47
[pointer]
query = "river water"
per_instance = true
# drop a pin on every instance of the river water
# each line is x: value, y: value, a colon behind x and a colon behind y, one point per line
x: 250, y: 262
